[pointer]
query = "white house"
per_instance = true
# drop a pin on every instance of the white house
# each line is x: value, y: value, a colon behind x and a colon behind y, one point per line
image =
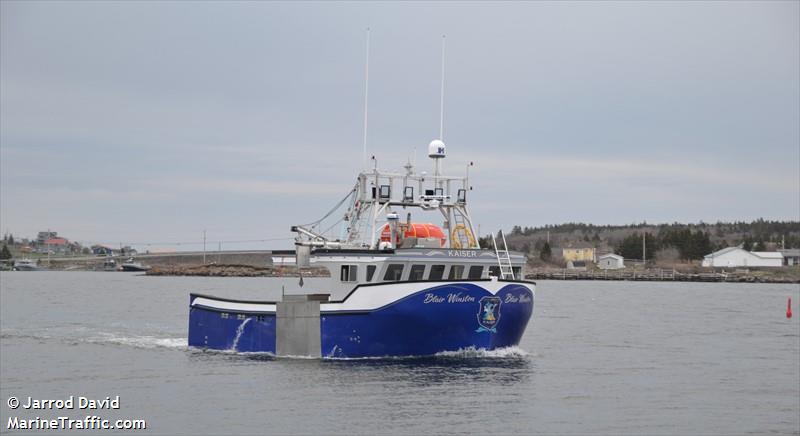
x: 734, y: 257
x: 610, y: 261
x: 791, y: 257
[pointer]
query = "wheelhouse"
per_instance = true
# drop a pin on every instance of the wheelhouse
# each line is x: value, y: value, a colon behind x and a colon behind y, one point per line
x: 349, y: 268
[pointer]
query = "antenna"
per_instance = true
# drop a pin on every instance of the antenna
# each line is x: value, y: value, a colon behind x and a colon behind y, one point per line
x: 366, y: 101
x: 441, y: 101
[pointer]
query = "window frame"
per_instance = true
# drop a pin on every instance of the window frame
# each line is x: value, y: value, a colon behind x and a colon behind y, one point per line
x: 441, y: 273
x: 471, y: 269
x: 394, y: 267
x: 351, y: 275
x: 416, y: 267
x: 453, y: 268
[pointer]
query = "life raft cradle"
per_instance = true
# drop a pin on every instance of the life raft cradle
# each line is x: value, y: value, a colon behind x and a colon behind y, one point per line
x: 460, y: 235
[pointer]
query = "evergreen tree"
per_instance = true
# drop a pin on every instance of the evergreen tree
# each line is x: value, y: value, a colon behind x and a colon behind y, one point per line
x: 631, y: 246
x: 546, y: 252
x: 759, y: 246
x: 747, y: 244
x: 4, y: 253
x: 701, y: 245
x: 11, y: 240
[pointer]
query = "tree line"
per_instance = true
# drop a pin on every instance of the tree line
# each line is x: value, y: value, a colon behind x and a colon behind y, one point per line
x: 758, y: 229
x: 691, y: 245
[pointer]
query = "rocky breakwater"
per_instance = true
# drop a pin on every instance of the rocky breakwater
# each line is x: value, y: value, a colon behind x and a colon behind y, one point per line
x: 215, y: 270
x: 212, y: 271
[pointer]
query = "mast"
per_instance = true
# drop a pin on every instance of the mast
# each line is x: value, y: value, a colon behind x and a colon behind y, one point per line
x: 375, y: 194
x: 441, y: 99
x: 366, y: 102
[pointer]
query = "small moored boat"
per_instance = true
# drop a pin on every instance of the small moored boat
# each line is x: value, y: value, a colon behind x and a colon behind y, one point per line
x: 132, y: 265
x: 26, y: 265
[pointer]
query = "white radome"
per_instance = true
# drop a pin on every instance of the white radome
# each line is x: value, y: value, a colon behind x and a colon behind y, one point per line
x: 436, y: 149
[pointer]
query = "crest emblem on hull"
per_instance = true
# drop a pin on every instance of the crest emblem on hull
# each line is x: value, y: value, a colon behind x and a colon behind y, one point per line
x: 488, y: 314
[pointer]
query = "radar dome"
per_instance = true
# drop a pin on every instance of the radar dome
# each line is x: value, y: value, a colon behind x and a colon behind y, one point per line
x: 436, y: 149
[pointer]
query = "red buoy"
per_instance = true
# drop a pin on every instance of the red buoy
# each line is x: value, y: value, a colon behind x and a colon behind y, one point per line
x: 789, y: 308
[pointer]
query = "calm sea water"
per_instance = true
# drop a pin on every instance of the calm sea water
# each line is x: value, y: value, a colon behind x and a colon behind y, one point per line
x: 598, y: 357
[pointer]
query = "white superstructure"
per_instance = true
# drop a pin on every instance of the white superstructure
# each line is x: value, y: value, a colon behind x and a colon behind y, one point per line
x: 380, y: 197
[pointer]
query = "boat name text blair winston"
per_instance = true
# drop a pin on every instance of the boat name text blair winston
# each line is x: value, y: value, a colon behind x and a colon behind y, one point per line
x: 459, y: 298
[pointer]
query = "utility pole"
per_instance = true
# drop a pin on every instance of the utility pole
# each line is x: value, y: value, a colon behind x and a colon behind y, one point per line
x: 644, y: 250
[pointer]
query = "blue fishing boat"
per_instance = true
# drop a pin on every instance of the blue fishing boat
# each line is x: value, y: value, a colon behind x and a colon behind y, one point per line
x: 396, y: 287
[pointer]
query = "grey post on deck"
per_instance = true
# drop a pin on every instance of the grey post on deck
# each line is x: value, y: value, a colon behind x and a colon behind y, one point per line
x: 298, y: 325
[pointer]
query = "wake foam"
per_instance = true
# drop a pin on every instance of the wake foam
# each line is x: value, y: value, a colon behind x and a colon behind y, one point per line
x: 137, y: 341
x: 148, y: 342
x: 514, y: 352
x: 464, y: 353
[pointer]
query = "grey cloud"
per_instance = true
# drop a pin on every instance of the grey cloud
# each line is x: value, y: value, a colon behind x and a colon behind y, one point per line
x: 606, y: 112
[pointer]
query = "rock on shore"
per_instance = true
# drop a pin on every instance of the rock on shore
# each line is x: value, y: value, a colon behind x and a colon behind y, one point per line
x: 214, y: 270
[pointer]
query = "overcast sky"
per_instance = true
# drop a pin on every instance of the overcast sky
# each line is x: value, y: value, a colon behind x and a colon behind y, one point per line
x: 151, y: 121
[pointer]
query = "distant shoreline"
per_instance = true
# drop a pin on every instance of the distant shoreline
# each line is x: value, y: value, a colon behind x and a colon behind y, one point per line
x: 668, y: 275
x: 259, y: 264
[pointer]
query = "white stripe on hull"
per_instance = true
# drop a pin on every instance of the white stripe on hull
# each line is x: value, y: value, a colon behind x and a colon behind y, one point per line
x: 365, y: 298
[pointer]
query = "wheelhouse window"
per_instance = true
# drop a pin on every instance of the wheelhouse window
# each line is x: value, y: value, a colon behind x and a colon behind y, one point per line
x: 393, y: 272
x: 437, y: 272
x: 494, y: 271
x: 408, y: 194
x: 456, y: 272
x: 517, y: 272
x: 370, y: 272
x: 417, y: 272
x: 475, y: 272
x: 462, y: 196
x: 349, y: 273
x: 385, y: 193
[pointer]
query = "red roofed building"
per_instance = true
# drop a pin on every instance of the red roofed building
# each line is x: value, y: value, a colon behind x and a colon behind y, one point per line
x: 56, y: 245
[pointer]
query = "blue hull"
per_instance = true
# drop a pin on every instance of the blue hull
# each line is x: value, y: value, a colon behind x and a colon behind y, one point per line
x: 255, y: 333
x: 446, y: 317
